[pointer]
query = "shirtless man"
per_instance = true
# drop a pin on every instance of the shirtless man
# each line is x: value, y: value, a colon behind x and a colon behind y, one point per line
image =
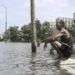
x: 61, y: 40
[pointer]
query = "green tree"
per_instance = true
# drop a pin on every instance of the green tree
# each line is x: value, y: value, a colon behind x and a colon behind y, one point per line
x: 72, y: 30
x: 13, y: 34
x: 38, y: 28
x: 27, y: 33
x: 45, y: 30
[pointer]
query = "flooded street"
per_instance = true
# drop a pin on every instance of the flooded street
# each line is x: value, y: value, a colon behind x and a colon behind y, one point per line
x: 16, y: 59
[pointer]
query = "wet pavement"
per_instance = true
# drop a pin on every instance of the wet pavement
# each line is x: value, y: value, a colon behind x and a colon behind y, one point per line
x: 16, y: 59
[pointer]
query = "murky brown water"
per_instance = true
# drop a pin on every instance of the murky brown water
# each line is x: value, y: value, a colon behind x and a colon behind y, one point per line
x: 16, y: 59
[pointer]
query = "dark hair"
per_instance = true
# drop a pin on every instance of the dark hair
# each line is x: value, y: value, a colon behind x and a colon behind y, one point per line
x: 62, y: 23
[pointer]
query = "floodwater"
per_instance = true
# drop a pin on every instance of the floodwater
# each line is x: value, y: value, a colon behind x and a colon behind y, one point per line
x: 16, y: 59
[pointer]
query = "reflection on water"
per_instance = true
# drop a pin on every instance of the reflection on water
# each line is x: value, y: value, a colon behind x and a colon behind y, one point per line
x: 16, y: 59
x: 64, y: 72
x: 55, y: 69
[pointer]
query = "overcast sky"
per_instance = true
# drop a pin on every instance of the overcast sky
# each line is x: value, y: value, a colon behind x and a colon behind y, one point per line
x: 19, y: 10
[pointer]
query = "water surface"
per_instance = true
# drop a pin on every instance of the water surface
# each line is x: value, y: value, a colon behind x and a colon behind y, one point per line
x: 16, y: 59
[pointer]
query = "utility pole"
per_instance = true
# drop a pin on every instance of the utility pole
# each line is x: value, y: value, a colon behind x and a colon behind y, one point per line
x: 5, y: 18
x: 5, y: 8
x: 33, y: 26
x: 5, y: 22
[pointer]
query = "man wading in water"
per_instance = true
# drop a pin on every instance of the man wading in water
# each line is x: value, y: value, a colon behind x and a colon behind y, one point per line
x: 61, y: 41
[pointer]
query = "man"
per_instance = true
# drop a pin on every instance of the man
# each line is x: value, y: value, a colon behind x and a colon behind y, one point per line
x: 61, y: 40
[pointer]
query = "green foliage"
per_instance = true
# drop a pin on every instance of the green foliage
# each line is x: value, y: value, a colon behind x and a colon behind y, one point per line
x: 72, y: 30
x: 13, y: 34
x: 45, y: 31
x: 38, y: 28
x: 25, y: 34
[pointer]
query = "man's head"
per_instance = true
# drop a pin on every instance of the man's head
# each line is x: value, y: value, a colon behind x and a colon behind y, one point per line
x: 60, y: 24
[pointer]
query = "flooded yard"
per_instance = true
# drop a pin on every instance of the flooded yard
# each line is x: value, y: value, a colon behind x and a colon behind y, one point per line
x: 16, y: 59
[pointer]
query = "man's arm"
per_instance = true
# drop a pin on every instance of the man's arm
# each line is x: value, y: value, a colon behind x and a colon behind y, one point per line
x: 55, y: 37
x: 52, y: 39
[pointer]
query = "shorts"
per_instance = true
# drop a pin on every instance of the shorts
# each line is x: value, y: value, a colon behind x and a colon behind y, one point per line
x: 65, y: 51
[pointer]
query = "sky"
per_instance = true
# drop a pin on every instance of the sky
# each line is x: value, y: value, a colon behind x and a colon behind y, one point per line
x: 18, y: 11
